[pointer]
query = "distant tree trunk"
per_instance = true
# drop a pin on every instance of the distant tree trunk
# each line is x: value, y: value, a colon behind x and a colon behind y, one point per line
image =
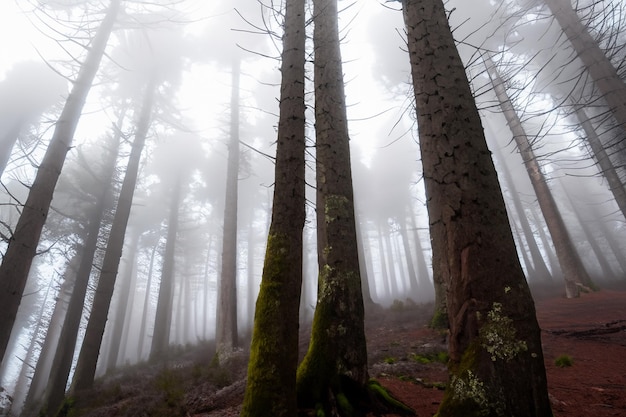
x: 385, y: 276
x: 597, y: 64
x: 574, y: 271
x: 391, y: 264
x: 64, y: 354
x: 146, y: 304
x: 539, y: 265
x: 413, y: 288
x: 44, y: 362
x: 496, y: 362
x: 426, y: 288
x: 88, y: 357
x: 274, y: 348
x: 7, y: 142
x: 365, y: 285
x: 226, y: 337
x: 23, y: 243
x: 607, y: 169
x: 336, y: 362
x: 547, y: 247
x: 614, y: 245
x: 163, y: 318
x: 122, y: 303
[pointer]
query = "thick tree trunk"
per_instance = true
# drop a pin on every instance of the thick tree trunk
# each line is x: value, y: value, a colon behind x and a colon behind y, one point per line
x: 88, y: 358
x: 227, y: 333
x: 597, y: 64
x: 274, y: 348
x: 336, y: 361
x: 496, y: 361
x: 23, y: 244
x: 163, y: 318
x: 574, y: 271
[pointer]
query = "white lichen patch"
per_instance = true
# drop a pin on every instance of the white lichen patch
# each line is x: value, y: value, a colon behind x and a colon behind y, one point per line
x: 498, y: 336
x: 469, y: 387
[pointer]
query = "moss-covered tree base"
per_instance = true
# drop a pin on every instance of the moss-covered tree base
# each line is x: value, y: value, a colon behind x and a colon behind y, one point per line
x: 352, y: 400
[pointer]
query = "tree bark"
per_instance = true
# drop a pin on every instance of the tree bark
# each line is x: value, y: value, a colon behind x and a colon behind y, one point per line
x: 574, y: 272
x: 274, y: 348
x: 336, y: 362
x: 23, y: 243
x: 496, y: 361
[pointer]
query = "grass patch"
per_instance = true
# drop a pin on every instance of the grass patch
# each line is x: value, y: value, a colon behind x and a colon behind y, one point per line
x: 564, y: 361
x: 440, y: 357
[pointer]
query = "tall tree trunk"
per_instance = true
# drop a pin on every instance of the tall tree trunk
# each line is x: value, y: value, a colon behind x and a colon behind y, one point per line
x: 539, y: 265
x: 146, y: 304
x: 413, y: 288
x: 64, y: 354
x: 88, y: 357
x: 23, y: 243
x: 163, y: 318
x: 7, y: 142
x: 44, y: 362
x: 607, y: 169
x: 274, y: 348
x: 496, y: 361
x: 574, y: 272
x: 122, y: 304
x: 597, y: 64
x: 547, y: 247
x: 336, y: 361
x: 426, y: 288
x: 227, y: 333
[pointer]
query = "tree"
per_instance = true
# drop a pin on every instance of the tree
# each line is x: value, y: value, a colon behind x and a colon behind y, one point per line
x: 598, y: 65
x: 496, y: 362
x: 88, y: 357
x: 335, y: 366
x: 163, y: 320
x: 23, y: 243
x: 274, y: 349
x: 574, y: 271
x: 226, y: 334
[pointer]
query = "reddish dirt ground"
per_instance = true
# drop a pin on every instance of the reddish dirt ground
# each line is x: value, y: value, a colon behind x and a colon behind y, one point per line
x: 590, y: 329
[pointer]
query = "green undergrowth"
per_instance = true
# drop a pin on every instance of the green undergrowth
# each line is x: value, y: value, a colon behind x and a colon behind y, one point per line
x: 434, y: 357
x: 564, y: 361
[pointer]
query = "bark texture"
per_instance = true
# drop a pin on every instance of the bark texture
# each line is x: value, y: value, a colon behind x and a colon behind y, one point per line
x: 336, y: 362
x: 496, y: 361
x: 23, y: 243
x: 274, y: 349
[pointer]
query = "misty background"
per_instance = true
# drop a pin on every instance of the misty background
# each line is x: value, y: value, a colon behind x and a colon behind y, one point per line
x: 190, y: 47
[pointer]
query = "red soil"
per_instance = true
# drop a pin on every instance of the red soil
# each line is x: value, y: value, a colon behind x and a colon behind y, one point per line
x: 590, y: 329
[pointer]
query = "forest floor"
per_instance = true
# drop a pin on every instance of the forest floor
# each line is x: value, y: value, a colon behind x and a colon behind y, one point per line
x: 407, y: 358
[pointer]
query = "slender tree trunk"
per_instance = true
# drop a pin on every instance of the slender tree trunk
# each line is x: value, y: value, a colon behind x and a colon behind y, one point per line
x: 426, y: 288
x: 597, y: 64
x: 496, y: 361
x: 413, y: 290
x: 163, y: 318
x: 547, y: 247
x: 122, y: 305
x: 23, y: 243
x: 539, y: 265
x: 62, y: 362
x: 337, y: 357
x: 7, y: 142
x: 44, y: 362
x: 274, y: 348
x: 616, y: 186
x: 88, y: 357
x: 227, y: 333
x: 146, y: 304
x: 574, y: 271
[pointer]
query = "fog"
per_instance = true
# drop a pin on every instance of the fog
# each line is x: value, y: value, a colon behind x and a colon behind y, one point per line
x: 189, y: 48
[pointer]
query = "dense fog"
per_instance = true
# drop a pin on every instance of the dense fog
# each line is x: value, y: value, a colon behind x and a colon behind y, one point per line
x: 214, y: 69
